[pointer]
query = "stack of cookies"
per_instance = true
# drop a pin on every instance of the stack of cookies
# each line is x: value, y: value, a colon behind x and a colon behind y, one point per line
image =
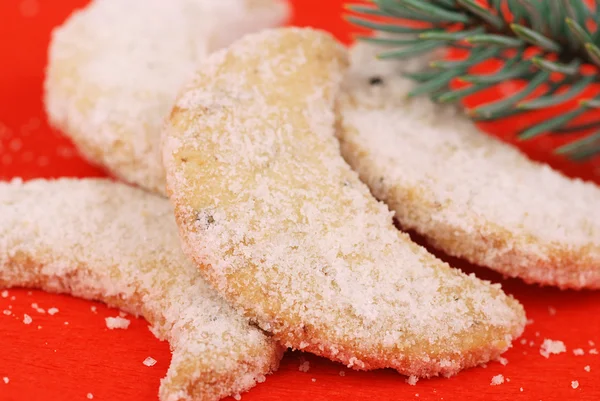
x: 273, y: 146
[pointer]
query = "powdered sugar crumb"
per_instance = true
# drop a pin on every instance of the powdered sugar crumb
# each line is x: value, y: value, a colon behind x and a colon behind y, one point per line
x: 53, y: 311
x: 521, y: 389
x: 117, y: 323
x: 27, y: 319
x: 94, y: 309
x: 497, y: 380
x: 149, y: 361
x: 313, y: 380
x: 304, y: 367
x: 6, y: 312
x: 587, y: 368
x: 5, y: 380
x: 574, y: 384
x: 503, y: 361
x: 412, y: 380
x: 90, y: 396
x: 237, y: 397
x: 552, y: 347
x: 578, y: 352
x: 4, y: 294
x: 593, y: 351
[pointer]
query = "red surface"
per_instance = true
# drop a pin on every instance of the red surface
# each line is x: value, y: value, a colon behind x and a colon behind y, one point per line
x: 50, y: 360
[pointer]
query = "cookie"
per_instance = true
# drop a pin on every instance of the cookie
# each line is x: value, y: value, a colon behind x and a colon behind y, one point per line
x: 106, y: 241
x: 469, y: 194
x: 284, y: 229
x: 115, y: 68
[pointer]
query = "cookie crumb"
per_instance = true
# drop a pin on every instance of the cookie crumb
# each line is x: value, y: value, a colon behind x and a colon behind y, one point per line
x: 237, y: 397
x: 523, y: 341
x: 5, y: 380
x: 52, y: 311
x: 552, y: 347
x: 304, y: 367
x: 342, y: 373
x: 497, y: 380
x: 529, y: 322
x: 574, y: 384
x: 6, y: 312
x: 412, y: 380
x: 94, y: 309
x: 117, y: 323
x: 66, y: 323
x: 591, y: 343
x: 593, y: 351
x: 587, y: 368
x: 4, y: 294
x: 503, y: 361
x: 521, y: 389
x: 578, y: 352
x: 90, y: 396
x: 149, y: 361
x: 313, y: 380
x: 27, y: 319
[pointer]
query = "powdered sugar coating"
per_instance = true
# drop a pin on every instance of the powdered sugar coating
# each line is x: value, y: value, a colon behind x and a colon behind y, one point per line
x: 468, y: 193
x: 115, y: 68
x: 106, y: 241
x: 285, y: 230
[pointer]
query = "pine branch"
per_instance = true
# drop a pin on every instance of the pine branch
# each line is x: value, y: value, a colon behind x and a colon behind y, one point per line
x: 562, y: 32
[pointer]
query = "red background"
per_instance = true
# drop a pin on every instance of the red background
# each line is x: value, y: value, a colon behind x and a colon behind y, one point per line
x: 51, y: 360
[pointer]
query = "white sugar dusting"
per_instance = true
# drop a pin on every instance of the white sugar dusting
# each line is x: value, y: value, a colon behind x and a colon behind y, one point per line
x: 472, y: 195
x: 554, y: 347
x: 574, y: 384
x: 6, y: 312
x: 149, y: 361
x: 129, y: 256
x: 593, y: 351
x: 304, y: 367
x: 27, y: 319
x: 131, y: 58
x: 336, y: 263
x: 578, y: 352
x: 587, y: 368
x: 117, y: 323
x: 497, y: 380
x: 53, y: 311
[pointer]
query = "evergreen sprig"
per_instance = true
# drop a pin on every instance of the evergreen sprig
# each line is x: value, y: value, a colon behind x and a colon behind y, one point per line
x: 561, y: 34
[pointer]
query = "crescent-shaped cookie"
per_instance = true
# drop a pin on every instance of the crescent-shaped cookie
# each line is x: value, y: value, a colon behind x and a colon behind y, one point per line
x: 468, y: 193
x: 105, y: 241
x: 287, y: 233
x: 114, y: 69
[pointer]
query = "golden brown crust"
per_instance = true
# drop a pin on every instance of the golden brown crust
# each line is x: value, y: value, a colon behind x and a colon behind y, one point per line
x: 468, y: 194
x: 115, y: 68
x: 105, y: 241
x: 286, y: 232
